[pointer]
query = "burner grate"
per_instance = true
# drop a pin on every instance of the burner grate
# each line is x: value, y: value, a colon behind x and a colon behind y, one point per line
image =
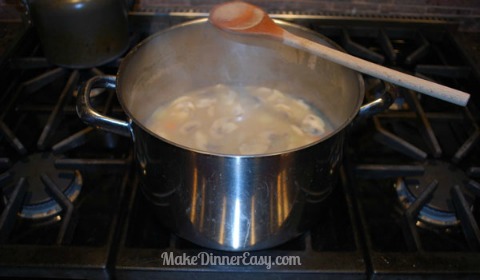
x: 415, y: 220
x: 77, y: 214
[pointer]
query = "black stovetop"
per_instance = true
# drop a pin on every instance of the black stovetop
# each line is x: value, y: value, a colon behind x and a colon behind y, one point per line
x: 407, y: 203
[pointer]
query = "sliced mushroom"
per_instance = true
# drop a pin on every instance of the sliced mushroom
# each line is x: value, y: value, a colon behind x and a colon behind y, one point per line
x: 261, y: 92
x: 219, y: 88
x: 302, y: 104
x: 182, y: 110
x: 284, y: 109
x: 276, y: 96
x: 221, y: 127
x: 276, y: 140
x: 190, y: 127
x: 184, y: 106
x: 313, y: 125
x: 268, y: 136
x: 205, y: 102
x: 227, y: 94
x: 181, y: 99
x: 238, y: 112
x: 297, y: 130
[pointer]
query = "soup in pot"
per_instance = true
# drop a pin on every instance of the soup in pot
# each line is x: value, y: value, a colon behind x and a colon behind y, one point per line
x: 238, y: 120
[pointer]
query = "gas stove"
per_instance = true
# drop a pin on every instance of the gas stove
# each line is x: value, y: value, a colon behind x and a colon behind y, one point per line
x: 406, y: 206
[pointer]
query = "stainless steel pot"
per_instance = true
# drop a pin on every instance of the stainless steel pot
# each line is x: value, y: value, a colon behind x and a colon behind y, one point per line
x: 80, y: 33
x: 230, y: 202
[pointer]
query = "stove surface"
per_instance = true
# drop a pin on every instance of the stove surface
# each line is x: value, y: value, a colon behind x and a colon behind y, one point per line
x: 407, y: 203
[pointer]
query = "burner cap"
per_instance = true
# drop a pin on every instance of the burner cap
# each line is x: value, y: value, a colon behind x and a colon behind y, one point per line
x: 439, y: 211
x: 39, y: 202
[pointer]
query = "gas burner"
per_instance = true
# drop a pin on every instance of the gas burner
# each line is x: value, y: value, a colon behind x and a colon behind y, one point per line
x: 375, y: 88
x: 42, y: 176
x: 439, y: 211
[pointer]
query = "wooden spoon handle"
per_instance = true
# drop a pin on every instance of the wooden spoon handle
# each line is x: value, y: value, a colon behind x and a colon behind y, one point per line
x: 378, y: 71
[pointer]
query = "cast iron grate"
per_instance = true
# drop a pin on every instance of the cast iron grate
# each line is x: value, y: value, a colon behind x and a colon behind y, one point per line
x: 417, y: 193
x: 54, y: 201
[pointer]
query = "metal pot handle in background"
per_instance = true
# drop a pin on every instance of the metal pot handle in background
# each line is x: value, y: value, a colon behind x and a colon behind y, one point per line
x: 388, y: 94
x: 91, y: 117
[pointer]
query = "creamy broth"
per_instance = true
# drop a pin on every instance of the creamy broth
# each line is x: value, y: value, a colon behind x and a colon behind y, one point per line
x: 238, y: 120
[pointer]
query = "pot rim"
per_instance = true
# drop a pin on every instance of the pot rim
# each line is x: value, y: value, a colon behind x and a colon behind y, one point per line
x: 147, y: 40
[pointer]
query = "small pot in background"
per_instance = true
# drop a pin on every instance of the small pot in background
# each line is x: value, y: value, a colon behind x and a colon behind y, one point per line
x: 80, y: 33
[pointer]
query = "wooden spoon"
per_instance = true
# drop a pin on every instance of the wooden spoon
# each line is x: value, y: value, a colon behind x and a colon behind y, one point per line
x: 243, y: 18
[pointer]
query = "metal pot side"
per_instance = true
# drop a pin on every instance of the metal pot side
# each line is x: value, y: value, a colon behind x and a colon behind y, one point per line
x: 236, y: 203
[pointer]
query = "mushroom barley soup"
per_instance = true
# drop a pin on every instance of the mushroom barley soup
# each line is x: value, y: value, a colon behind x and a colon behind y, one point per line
x: 238, y: 120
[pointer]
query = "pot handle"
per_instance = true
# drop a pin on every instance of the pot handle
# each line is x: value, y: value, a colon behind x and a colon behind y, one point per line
x: 91, y: 117
x: 388, y: 94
